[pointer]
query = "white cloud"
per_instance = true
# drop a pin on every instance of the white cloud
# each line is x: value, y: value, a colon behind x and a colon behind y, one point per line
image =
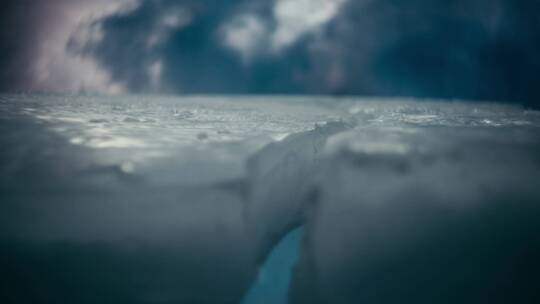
x: 249, y: 34
x: 169, y: 22
x: 177, y: 19
x: 296, y: 18
x: 246, y: 35
x: 58, y: 70
x: 154, y: 73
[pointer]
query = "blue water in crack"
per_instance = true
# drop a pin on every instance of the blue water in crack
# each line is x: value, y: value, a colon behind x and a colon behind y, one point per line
x: 274, y: 278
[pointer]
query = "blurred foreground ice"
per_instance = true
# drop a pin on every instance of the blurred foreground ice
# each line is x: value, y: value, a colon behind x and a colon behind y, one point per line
x: 181, y: 200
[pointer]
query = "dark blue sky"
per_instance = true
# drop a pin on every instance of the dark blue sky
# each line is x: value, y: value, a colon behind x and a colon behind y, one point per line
x: 466, y: 49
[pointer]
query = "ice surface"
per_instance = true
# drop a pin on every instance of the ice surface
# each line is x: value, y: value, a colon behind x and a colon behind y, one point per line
x: 150, y: 199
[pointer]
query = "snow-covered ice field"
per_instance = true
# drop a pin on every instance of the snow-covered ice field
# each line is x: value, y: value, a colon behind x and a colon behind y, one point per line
x: 156, y: 199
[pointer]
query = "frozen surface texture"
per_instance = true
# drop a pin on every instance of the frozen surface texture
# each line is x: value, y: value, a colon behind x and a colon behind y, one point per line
x: 149, y: 199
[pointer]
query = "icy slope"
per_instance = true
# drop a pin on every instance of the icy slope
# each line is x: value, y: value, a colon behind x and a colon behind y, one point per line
x: 424, y: 215
x: 161, y: 200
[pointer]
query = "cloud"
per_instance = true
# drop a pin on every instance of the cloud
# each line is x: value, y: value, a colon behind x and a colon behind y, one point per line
x: 209, y: 47
x: 252, y: 35
x: 39, y: 46
x: 247, y: 35
x: 297, y: 17
x: 479, y: 49
x: 155, y: 70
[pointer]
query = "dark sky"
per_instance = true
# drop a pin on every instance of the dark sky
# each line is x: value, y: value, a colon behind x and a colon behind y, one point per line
x: 466, y: 49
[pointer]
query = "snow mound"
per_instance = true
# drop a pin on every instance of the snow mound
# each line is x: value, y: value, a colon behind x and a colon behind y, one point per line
x: 125, y: 200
